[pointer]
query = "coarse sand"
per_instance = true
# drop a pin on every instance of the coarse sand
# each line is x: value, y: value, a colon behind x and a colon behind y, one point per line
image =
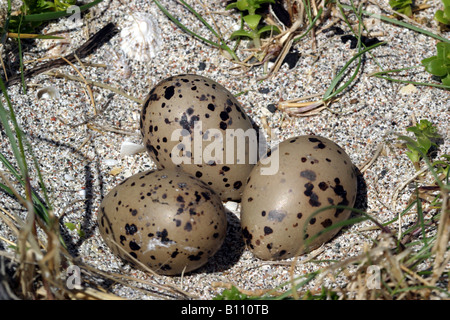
x: 80, y: 153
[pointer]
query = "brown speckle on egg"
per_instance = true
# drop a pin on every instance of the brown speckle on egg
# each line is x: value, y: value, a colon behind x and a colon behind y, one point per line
x: 168, y: 220
x: 180, y: 103
x: 281, y: 217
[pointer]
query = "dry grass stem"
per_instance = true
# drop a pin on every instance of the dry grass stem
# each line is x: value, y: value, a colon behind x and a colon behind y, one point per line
x: 95, y: 83
x: 91, y: 95
x: 363, y: 167
x: 411, y: 264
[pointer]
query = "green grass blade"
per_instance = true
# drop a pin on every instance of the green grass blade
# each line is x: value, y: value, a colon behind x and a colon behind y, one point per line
x: 399, y: 23
x: 421, y: 217
x: 9, y: 166
x: 6, y: 189
x: 222, y: 46
x: 6, y: 24
x: 41, y: 207
x: 4, y: 119
x: 46, y: 16
x: 405, y: 211
x: 381, y: 75
x: 330, y: 93
x: 199, y: 17
x: 363, y: 217
x: 311, y: 25
x: 289, y: 293
x: 22, y: 74
x: 16, y: 140
x: 182, y: 26
x: 416, y: 288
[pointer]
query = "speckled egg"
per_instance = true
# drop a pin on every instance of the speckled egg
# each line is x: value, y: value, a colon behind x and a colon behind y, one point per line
x: 168, y: 220
x: 279, y: 210
x: 195, y: 123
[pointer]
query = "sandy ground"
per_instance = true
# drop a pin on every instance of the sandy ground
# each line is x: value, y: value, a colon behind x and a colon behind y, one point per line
x: 82, y: 163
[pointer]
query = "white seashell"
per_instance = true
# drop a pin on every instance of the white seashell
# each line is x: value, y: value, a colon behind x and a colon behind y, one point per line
x: 141, y: 40
x: 47, y: 93
x: 129, y: 148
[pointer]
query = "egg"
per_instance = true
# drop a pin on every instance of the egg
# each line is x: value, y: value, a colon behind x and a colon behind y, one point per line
x: 168, y: 220
x: 281, y: 215
x: 193, y: 122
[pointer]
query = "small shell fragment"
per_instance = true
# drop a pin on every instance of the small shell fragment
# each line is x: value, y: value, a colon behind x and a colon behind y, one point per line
x: 110, y: 162
x: 408, y: 89
x: 115, y: 171
x: 141, y: 40
x: 129, y: 148
x: 48, y: 93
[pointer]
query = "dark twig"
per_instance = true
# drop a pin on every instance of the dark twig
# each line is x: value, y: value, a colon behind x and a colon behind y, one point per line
x: 95, y: 42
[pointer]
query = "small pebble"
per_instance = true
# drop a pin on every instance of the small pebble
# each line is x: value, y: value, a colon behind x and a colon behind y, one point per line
x: 272, y: 107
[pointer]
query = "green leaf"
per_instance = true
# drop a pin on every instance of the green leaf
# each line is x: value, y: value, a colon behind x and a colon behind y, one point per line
x: 413, y: 156
x: 446, y: 80
x: 425, y: 62
x: 399, y: 23
x: 273, y: 29
x: 46, y: 5
x: 222, y: 45
x: 333, y: 89
x: 402, y: 6
x: 242, y: 33
x: 426, y: 135
x: 443, y: 50
x: 437, y: 67
x: 428, y: 129
x: 252, y: 20
x: 71, y: 226
x: 80, y: 232
x: 396, y: 4
x: 264, y: 1
x: 447, y: 12
x: 231, y: 6
x: 242, y: 5
x: 55, y: 15
x: 425, y: 144
x: 407, y: 11
x: 439, y: 16
x: 231, y: 294
x: 424, y: 128
x: 63, y: 5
